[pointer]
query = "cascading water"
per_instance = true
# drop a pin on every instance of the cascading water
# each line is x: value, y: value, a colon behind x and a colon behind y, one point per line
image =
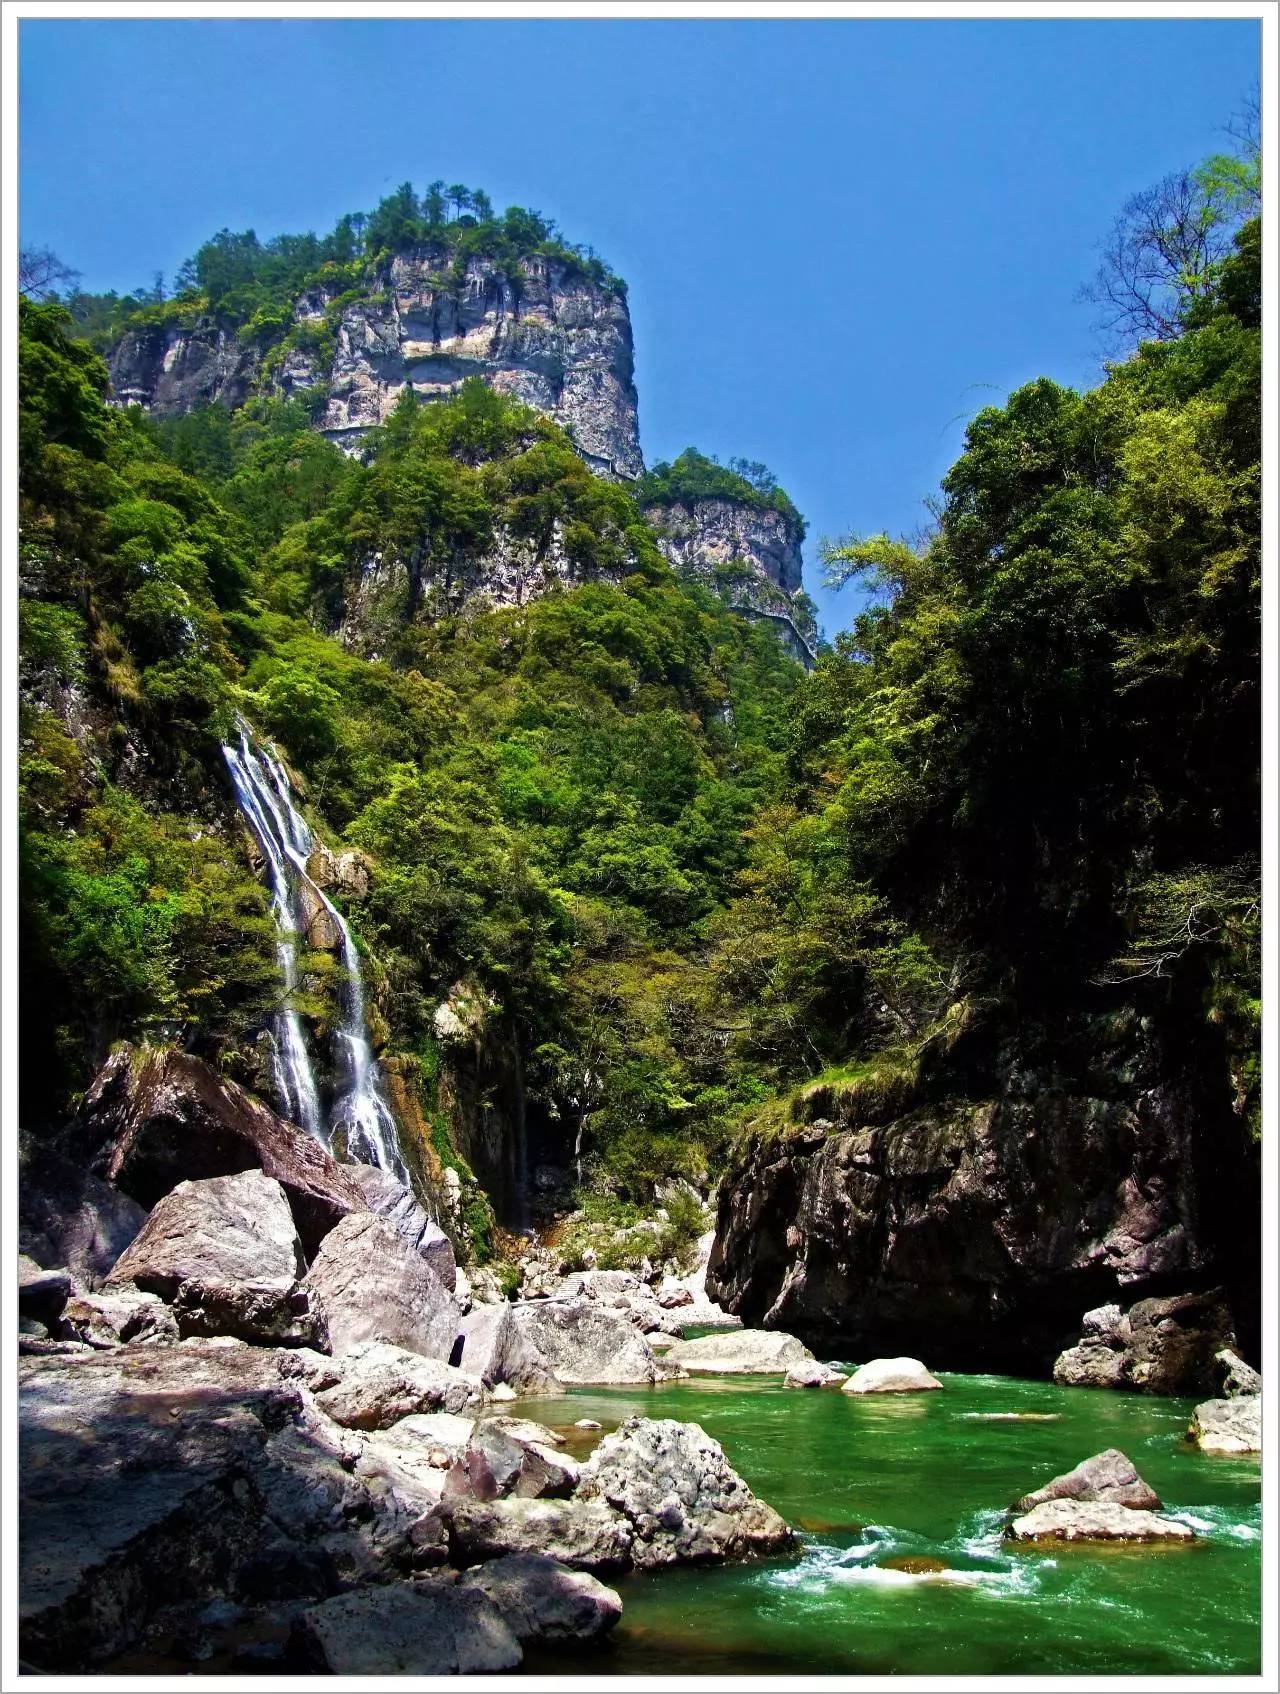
x: 360, y: 1112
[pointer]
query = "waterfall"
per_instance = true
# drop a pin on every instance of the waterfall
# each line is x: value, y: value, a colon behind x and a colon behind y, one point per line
x: 359, y: 1110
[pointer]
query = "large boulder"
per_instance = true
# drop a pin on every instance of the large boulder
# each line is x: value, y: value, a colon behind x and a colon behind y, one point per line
x: 741, y: 1352
x: 155, y: 1117
x: 391, y: 1200
x: 503, y: 1456
x: 1228, y: 1426
x: 584, y: 1534
x: 1108, y: 1476
x: 403, y: 1629
x: 494, y: 1347
x: 544, y: 1601
x: 113, y: 1319
x: 1164, y: 1345
x: 41, y: 1293
x: 584, y: 1342
x: 68, y: 1217
x: 679, y: 1494
x: 380, y: 1384
x: 225, y: 1254
x: 890, y: 1376
x: 1077, y: 1520
x: 370, y: 1285
x: 1234, y: 1376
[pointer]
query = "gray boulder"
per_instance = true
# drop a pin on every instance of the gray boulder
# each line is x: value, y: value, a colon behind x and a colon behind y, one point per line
x: 890, y: 1376
x: 1228, y: 1426
x: 154, y: 1117
x: 584, y: 1342
x: 68, y: 1217
x: 1101, y: 1520
x: 1234, y: 1376
x: 741, y: 1352
x: 406, y: 1630
x: 812, y: 1373
x: 1108, y: 1476
x: 680, y: 1496
x: 41, y: 1293
x: 585, y: 1534
x: 117, y: 1318
x: 399, y: 1206
x: 544, y: 1601
x: 225, y: 1254
x: 369, y: 1285
x: 378, y: 1385
x: 495, y: 1348
x: 1164, y: 1345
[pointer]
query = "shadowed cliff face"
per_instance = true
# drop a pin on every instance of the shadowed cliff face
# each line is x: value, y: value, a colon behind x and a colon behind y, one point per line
x: 977, y: 1231
x: 544, y: 333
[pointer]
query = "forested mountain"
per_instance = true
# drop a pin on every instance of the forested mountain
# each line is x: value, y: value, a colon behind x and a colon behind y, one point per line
x: 636, y: 892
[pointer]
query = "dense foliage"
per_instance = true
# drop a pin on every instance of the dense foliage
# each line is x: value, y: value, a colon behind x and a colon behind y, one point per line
x: 693, y: 476
x: 252, y: 284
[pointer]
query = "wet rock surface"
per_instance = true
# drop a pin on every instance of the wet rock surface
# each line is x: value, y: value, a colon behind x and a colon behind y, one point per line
x: 1074, y: 1520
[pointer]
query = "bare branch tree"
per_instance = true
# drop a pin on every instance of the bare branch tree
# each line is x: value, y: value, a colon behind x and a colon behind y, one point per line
x: 42, y: 274
x: 1162, y: 256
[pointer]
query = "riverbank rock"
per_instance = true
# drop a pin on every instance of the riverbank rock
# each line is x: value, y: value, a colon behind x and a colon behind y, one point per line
x: 584, y: 1534
x: 369, y: 1285
x: 391, y: 1200
x: 494, y: 1347
x: 812, y: 1374
x: 1228, y: 1426
x: 402, y: 1629
x: 586, y: 1343
x: 680, y: 1496
x: 68, y: 1218
x: 741, y: 1352
x: 890, y: 1376
x: 1108, y: 1476
x: 381, y: 1384
x: 1077, y: 1520
x: 1159, y: 1346
x: 543, y: 1601
x: 225, y: 1254
x: 155, y: 1117
x: 504, y: 1457
x: 1235, y: 1377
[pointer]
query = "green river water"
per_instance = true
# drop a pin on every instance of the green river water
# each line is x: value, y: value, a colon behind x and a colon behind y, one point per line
x: 870, y: 1479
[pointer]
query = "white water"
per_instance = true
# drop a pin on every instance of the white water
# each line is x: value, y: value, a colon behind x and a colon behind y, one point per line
x: 360, y: 1110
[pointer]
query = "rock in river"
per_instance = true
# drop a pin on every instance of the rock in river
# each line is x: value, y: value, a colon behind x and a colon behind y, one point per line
x: 544, y: 1601
x: 585, y: 1342
x: 741, y: 1352
x: 1108, y: 1476
x: 890, y: 1376
x: 1102, y: 1520
x: 1164, y: 1345
x: 1228, y: 1426
x: 812, y: 1373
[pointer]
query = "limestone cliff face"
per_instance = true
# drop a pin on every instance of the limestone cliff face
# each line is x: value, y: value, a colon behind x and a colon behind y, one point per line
x: 749, y: 554
x: 545, y: 333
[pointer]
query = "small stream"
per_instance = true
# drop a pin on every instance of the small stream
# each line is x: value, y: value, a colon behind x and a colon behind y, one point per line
x: 878, y: 1482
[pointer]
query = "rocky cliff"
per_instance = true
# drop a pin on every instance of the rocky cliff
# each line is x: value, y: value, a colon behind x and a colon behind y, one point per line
x: 976, y: 1228
x: 749, y: 554
x: 542, y: 331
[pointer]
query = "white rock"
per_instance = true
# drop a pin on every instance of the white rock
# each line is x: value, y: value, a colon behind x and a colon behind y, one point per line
x: 890, y: 1376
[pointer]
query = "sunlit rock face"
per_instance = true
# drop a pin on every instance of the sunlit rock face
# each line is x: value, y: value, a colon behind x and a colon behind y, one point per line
x: 543, y: 332
x: 750, y: 555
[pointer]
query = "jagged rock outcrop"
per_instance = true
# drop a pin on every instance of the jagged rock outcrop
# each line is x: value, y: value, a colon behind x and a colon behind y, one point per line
x: 749, y: 554
x: 1164, y: 1345
x: 971, y: 1231
x: 368, y: 1284
x: 547, y: 334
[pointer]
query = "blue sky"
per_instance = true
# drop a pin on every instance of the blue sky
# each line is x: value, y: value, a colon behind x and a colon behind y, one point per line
x: 842, y: 237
